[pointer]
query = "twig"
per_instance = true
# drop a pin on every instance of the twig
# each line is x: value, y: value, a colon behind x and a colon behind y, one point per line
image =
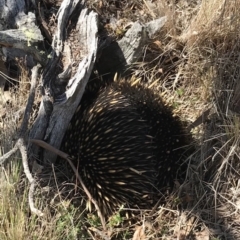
x: 101, y: 234
x: 66, y: 157
x: 21, y: 141
x: 149, y: 9
x: 21, y: 145
x: 23, y: 150
x: 89, y: 232
x: 8, y: 154
x: 30, y: 102
x: 44, y: 24
x: 199, y: 120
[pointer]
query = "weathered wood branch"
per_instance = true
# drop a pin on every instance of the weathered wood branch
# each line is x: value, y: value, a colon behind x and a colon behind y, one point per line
x: 57, y: 110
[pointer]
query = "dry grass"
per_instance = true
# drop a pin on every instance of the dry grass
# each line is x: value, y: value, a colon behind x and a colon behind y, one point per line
x: 194, y: 64
x: 61, y: 220
x: 206, y: 75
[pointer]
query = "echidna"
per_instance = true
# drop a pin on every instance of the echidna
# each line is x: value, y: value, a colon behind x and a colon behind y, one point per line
x: 126, y: 144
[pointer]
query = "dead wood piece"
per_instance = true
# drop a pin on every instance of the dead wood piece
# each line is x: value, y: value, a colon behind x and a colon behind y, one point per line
x: 133, y: 42
x: 136, y: 37
x: 56, y: 110
x: 64, y: 12
x: 155, y: 26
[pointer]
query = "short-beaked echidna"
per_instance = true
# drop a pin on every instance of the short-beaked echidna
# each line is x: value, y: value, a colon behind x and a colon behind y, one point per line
x: 126, y: 144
